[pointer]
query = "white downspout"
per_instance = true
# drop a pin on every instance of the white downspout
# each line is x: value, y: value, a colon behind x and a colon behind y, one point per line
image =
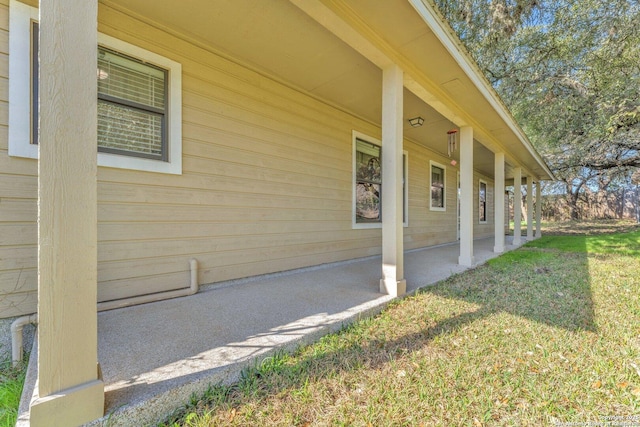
x: 16, y: 336
x: 18, y: 325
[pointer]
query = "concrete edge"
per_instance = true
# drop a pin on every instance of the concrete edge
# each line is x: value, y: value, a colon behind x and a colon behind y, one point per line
x: 29, y: 386
x: 154, y: 410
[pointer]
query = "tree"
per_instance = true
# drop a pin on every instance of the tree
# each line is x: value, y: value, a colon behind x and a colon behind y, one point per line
x: 570, y: 72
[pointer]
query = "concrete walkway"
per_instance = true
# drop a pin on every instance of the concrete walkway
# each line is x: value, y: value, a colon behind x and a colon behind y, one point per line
x: 154, y: 356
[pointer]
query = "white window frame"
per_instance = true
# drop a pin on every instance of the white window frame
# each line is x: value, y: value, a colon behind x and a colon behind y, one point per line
x: 354, y: 137
x: 444, y: 189
x: 405, y: 199
x: 20, y: 18
x: 360, y: 225
x: 486, y: 201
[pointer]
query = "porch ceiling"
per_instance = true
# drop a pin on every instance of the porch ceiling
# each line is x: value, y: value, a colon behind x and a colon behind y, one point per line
x: 280, y: 40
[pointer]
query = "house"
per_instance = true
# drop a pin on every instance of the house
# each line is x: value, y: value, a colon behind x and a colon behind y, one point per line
x: 233, y: 138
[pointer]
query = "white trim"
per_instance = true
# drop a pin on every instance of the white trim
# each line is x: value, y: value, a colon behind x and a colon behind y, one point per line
x: 405, y: 178
x: 457, y: 205
x: 459, y: 53
x: 20, y: 18
x: 486, y: 199
x: 444, y: 190
x: 174, y: 112
x: 355, y: 135
x: 405, y: 221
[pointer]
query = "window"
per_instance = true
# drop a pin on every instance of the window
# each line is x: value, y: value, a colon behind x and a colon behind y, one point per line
x: 483, y: 201
x: 405, y: 189
x: 139, y: 100
x: 368, y: 182
x: 438, y: 185
x: 367, y: 177
x: 131, y: 106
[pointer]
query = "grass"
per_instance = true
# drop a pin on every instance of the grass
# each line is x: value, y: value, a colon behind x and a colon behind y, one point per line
x: 11, y: 381
x: 546, y: 334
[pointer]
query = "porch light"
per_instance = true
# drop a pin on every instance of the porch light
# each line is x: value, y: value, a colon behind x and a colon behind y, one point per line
x: 416, y: 122
x: 452, y: 141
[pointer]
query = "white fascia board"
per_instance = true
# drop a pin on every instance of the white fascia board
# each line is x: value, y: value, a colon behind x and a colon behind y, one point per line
x: 459, y: 53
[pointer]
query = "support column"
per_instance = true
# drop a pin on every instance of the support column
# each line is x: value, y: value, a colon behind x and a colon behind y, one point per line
x: 69, y: 391
x: 517, y: 205
x: 529, y: 208
x: 466, y: 196
x: 498, y: 198
x: 392, y: 282
x: 538, y: 209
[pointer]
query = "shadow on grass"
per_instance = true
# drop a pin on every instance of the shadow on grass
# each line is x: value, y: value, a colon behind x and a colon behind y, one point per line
x: 545, y: 286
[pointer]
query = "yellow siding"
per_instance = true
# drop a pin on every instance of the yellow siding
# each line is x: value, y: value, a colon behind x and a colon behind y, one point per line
x: 266, y: 186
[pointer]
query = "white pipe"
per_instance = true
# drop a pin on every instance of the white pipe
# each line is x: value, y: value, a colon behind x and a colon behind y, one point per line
x: 143, y: 299
x: 16, y: 336
x: 18, y: 324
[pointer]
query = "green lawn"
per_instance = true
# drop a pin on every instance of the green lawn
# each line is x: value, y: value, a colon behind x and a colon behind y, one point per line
x: 548, y: 333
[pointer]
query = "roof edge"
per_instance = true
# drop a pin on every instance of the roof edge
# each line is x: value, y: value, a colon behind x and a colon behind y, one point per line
x: 432, y: 16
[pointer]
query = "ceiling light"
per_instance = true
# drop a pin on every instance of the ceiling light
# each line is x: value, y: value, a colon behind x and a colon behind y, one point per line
x: 416, y: 122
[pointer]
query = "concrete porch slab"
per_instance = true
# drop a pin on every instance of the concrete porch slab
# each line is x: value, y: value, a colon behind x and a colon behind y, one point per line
x: 154, y: 356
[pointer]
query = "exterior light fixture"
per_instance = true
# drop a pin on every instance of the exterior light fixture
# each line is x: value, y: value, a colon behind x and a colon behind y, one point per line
x: 416, y: 122
x: 452, y: 141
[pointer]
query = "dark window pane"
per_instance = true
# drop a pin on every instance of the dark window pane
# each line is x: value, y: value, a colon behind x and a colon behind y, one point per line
x: 437, y: 197
x: 437, y: 187
x: 368, y: 167
x: 127, y: 129
x: 367, y: 202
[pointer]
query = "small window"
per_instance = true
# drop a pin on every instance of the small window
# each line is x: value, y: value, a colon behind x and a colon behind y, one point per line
x: 368, y: 182
x: 483, y: 201
x: 438, y: 185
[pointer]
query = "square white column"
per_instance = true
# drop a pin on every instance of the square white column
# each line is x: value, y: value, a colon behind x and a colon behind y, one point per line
x: 529, y: 208
x: 499, y: 203
x: 392, y: 282
x: 68, y: 391
x: 466, y: 196
x: 517, y: 205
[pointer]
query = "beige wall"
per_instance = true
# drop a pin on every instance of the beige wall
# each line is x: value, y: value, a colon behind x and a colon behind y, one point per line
x: 266, y: 186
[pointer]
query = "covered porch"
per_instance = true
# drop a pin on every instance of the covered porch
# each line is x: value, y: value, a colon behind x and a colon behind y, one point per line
x: 377, y: 73
x: 154, y: 356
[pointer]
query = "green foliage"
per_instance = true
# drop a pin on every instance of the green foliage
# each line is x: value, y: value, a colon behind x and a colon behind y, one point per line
x: 11, y: 382
x: 570, y: 73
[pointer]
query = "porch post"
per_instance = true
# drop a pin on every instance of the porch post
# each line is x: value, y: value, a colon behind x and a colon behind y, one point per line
x: 466, y: 196
x: 517, y: 205
x: 538, y: 209
x: 68, y: 391
x: 392, y: 282
x: 499, y: 203
x: 529, y: 208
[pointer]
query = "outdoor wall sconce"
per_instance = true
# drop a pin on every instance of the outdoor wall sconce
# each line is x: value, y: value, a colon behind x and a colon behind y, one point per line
x: 416, y: 122
x: 452, y: 141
